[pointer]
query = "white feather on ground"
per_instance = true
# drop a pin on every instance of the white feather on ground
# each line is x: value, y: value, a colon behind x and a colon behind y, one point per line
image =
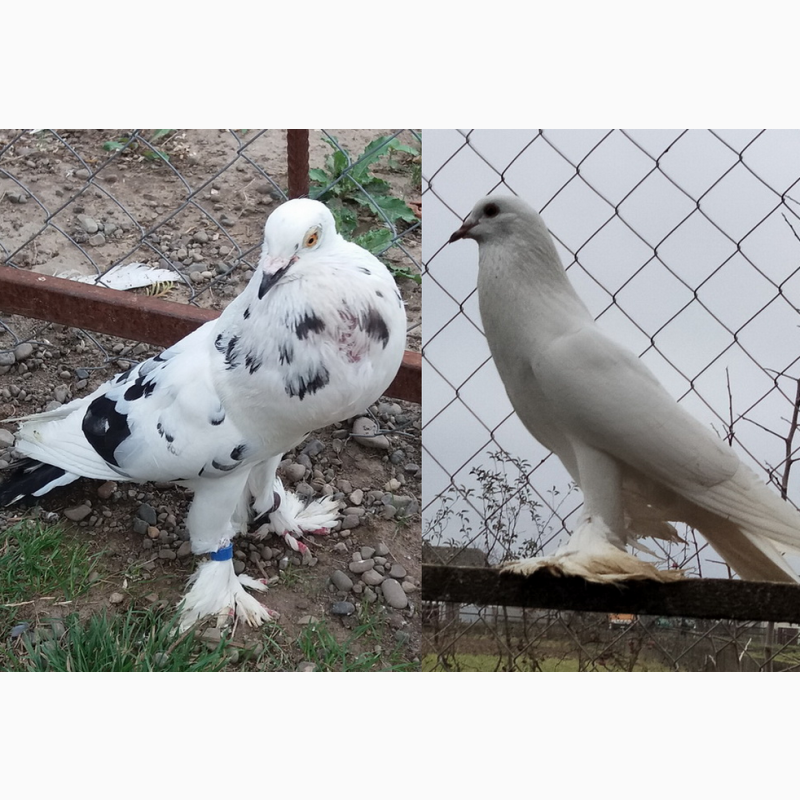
x: 124, y: 276
x: 316, y: 336
x: 639, y: 458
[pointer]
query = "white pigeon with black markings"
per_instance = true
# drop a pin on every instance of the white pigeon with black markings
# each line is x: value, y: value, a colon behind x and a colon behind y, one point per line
x: 639, y: 458
x: 316, y: 337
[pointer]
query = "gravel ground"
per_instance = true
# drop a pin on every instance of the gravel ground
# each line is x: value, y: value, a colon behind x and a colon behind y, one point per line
x: 371, y: 559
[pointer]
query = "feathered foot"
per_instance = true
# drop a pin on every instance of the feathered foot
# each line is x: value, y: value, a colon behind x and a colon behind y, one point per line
x: 589, y: 555
x: 622, y: 567
x: 217, y: 590
x: 293, y: 519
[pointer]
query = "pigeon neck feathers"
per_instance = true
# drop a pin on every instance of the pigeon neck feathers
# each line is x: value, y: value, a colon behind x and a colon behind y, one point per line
x: 520, y: 274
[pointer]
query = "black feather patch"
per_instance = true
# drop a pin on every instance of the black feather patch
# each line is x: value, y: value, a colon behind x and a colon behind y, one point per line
x: 286, y: 352
x: 246, y: 314
x: 379, y: 293
x: 301, y: 385
x: 228, y: 349
x: 252, y: 362
x: 375, y: 326
x: 162, y: 432
x: 219, y: 417
x: 268, y: 281
x: 237, y: 454
x: 123, y: 376
x: 105, y: 428
x: 141, y: 387
x: 29, y: 476
x: 310, y: 322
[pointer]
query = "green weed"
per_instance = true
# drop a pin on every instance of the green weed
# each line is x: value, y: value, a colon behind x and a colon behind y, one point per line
x: 347, y: 186
x: 37, y: 559
x: 133, y: 143
x: 138, y: 641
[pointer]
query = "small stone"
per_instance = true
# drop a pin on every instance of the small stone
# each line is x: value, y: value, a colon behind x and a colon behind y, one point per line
x: 367, y: 552
x: 341, y: 581
x: 7, y: 359
x: 140, y: 527
x: 365, y: 432
x: 393, y: 593
x: 6, y: 438
x: 313, y: 448
x: 153, y: 532
x: 147, y: 513
x: 381, y: 550
x: 397, y: 571
x: 201, y: 237
x: 294, y: 472
x: 343, y: 608
x: 185, y: 550
x: 308, y: 619
x: 98, y: 240
x: 392, y: 485
x: 370, y: 595
x: 165, y: 554
x: 19, y: 629
x: 359, y: 567
x: 105, y: 490
x: 350, y: 521
x: 23, y: 351
x: 372, y: 578
x: 116, y: 598
x: 357, y: 497
x: 78, y: 513
x: 88, y: 224
x: 306, y: 666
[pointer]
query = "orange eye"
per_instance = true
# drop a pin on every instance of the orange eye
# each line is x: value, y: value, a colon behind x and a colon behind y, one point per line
x: 311, y: 239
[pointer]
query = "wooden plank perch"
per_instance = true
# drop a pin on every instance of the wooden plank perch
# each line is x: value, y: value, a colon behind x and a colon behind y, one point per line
x: 702, y: 598
x: 135, y: 316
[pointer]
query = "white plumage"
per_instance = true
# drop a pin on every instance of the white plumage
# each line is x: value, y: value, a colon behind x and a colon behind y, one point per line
x: 316, y: 336
x: 639, y: 458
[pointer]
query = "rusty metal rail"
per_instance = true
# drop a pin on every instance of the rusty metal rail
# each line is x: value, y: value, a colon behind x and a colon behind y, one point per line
x: 137, y: 317
x: 706, y: 598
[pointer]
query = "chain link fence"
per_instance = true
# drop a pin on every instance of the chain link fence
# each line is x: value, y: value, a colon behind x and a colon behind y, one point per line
x: 192, y: 202
x: 685, y: 246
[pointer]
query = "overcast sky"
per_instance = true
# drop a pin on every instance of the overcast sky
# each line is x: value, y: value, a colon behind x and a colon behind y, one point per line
x: 676, y: 240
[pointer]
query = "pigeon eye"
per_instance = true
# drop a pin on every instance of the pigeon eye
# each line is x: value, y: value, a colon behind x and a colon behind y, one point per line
x: 491, y: 210
x: 311, y: 239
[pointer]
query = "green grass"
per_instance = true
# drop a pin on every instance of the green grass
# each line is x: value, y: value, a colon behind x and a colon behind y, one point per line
x: 467, y: 662
x: 48, y: 565
x: 38, y: 559
x: 360, y: 652
x: 137, y: 641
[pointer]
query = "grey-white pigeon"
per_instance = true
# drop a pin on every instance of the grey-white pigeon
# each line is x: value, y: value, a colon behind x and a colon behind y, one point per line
x: 639, y: 458
x: 316, y: 336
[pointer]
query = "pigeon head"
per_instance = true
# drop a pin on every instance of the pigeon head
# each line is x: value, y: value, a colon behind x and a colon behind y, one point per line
x: 296, y: 230
x: 493, y: 217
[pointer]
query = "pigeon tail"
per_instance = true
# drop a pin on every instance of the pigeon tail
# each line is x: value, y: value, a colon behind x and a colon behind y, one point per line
x: 32, y: 478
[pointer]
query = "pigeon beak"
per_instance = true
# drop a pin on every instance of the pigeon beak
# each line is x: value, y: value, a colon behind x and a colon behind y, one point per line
x: 272, y: 264
x: 462, y: 232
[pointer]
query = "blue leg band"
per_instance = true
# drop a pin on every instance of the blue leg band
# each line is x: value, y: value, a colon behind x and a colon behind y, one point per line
x: 223, y: 554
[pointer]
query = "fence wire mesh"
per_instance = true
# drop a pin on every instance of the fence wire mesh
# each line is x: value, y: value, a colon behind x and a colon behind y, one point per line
x: 684, y: 245
x: 193, y: 202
